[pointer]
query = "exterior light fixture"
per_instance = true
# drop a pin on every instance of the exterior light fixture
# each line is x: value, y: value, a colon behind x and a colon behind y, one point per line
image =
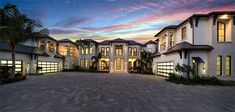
x: 225, y: 16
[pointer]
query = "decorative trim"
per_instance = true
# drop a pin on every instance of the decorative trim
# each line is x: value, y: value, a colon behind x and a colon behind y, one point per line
x: 197, y: 20
x: 233, y: 20
x: 214, y: 19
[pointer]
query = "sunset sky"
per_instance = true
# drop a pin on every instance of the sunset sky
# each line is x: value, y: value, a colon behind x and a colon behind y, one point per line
x: 138, y: 20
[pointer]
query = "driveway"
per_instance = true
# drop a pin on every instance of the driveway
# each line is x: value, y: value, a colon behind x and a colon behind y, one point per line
x: 97, y: 92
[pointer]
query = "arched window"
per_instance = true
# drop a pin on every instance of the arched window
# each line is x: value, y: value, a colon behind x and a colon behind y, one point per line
x: 228, y: 65
x: 221, y: 32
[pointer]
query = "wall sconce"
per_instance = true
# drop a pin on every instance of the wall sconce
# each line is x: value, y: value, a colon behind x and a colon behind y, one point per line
x: 225, y: 16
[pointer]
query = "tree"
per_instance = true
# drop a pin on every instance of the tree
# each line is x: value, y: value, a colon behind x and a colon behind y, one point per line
x: 145, y: 60
x: 185, y: 69
x: 96, y: 60
x: 16, y: 28
x: 83, y: 44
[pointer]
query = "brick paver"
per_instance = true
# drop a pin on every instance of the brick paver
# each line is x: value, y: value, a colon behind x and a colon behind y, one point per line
x: 96, y: 92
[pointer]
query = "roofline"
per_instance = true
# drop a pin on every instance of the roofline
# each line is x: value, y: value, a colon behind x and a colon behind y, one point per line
x: 198, y: 15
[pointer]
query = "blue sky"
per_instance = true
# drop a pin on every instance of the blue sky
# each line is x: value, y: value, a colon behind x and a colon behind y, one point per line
x: 139, y: 20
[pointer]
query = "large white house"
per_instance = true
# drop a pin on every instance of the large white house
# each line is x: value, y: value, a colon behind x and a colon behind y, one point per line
x: 40, y: 52
x: 203, y: 41
x: 117, y: 55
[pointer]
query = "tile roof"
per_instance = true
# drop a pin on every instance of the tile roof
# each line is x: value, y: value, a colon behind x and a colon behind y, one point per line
x: 119, y: 40
x: 22, y: 49
x: 187, y: 46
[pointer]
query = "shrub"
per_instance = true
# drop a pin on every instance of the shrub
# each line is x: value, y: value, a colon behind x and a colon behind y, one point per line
x: 199, y: 80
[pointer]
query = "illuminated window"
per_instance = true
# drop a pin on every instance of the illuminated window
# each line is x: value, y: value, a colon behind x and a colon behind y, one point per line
x: 184, y: 33
x: 48, y: 67
x: 81, y: 62
x: 91, y: 51
x: 135, y: 51
x: 63, y: 50
x: 204, y: 66
x: 228, y: 65
x: 86, y: 50
x: 82, y: 51
x: 18, y: 65
x: 164, y: 68
x: 219, y: 65
x: 130, y: 51
x: 221, y: 32
x: 102, y: 51
x: 163, y: 43
x: 172, y: 42
x: 86, y: 63
x: 118, y: 50
x: 107, y: 51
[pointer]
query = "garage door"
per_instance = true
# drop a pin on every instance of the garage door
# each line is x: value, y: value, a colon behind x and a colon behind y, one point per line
x: 48, y: 67
x: 9, y: 63
x: 164, y: 68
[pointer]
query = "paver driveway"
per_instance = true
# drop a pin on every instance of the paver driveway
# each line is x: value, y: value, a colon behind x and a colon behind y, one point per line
x: 90, y: 92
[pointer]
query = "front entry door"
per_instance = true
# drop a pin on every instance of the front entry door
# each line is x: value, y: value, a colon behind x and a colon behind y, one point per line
x: 119, y: 65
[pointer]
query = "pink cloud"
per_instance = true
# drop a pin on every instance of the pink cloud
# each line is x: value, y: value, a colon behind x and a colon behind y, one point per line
x: 108, y: 28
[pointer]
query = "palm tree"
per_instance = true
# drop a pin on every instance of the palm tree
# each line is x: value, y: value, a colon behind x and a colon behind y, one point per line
x: 83, y: 44
x: 16, y: 28
x: 96, y: 60
x: 146, y: 60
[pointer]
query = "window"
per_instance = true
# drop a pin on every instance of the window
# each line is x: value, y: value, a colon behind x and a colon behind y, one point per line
x: 91, y: 51
x: 172, y: 43
x: 82, y: 51
x: 219, y: 65
x: 163, y: 43
x: 102, y: 51
x: 91, y: 62
x: 48, y: 67
x: 130, y: 51
x: 63, y: 50
x: 104, y: 65
x: 107, y: 51
x: 86, y: 63
x: 149, y: 50
x: 86, y: 50
x: 50, y: 47
x: 134, y: 51
x: 9, y: 63
x: 129, y: 64
x: 81, y: 62
x: 42, y: 45
x: 184, y: 33
x: 221, y: 32
x: 118, y: 50
x: 228, y: 65
x: 164, y: 68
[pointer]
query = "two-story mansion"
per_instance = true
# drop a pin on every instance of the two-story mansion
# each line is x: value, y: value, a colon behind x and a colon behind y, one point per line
x: 117, y: 55
x: 203, y: 41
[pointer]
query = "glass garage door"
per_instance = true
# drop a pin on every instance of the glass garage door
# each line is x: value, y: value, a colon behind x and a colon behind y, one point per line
x: 48, y: 67
x: 9, y: 63
x: 164, y: 68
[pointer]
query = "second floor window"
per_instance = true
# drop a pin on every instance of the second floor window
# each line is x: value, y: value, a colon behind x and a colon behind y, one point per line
x: 107, y: 51
x: 184, y: 33
x: 91, y: 50
x: 221, y: 32
x: 163, y: 43
x: 172, y: 42
x: 102, y: 51
x: 82, y: 51
x: 130, y: 51
x: 134, y: 51
x: 50, y: 47
x: 86, y: 50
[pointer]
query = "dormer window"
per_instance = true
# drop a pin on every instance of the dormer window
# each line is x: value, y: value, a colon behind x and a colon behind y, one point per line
x: 221, y: 32
x: 184, y: 33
